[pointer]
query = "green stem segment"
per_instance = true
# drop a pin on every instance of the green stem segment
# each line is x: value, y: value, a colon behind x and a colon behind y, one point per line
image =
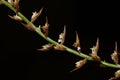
x: 54, y: 42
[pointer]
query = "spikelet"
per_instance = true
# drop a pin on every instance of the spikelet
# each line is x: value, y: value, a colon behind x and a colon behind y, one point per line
x: 35, y: 15
x: 62, y: 36
x: 46, y: 47
x: 95, y: 51
x: 16, y: 4
x: 79, y: 64
x: 114, y: 55
x: 45, y: 28
x: 77, y: 43
x: 15, y: 17
x: 59, y: 47
x: 117, y: 75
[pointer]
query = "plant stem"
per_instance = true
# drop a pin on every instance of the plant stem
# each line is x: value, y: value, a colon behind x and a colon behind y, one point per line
x: 38, y: 31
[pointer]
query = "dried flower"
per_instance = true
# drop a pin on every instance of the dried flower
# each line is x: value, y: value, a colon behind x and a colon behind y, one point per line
x: 15, y: 17
x: 45, y: 28
x: 79, y: 64
x: 114, y: 55
x: 46, y: 47
x: 59, y: 47
x: 36, y: 15
x: 77, y: 43
x: 62, y: 36
x: 95, y: 51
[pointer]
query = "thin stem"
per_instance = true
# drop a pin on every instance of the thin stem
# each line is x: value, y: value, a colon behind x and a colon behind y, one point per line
x: 38, y: 31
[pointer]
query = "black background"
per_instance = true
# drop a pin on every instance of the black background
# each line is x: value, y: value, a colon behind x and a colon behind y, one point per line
x: 19, y: 59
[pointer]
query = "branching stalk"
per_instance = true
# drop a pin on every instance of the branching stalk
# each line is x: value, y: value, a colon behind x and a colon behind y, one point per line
x: 38, y: 31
